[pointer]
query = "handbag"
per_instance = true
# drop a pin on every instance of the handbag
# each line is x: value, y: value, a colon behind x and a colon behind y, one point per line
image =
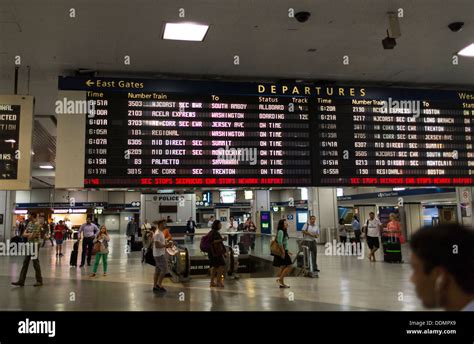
x: 275, y: 248
x: 96, y: 248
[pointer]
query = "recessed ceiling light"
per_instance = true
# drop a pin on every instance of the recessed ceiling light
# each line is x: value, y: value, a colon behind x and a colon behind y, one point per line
x: 47, y: 167
x: 185, y: 31
x: 467, y: 51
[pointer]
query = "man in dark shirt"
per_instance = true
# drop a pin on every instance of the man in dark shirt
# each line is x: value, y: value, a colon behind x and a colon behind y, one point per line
x: 132, y: 229
x: 33, y: 234
x: 191, y: 229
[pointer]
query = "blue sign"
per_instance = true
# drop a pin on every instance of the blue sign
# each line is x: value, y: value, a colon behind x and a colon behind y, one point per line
x: 412, y: 192
x: 265, y: 222
x: 289, y: 217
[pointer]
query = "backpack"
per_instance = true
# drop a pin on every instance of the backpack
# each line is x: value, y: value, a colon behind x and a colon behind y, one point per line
x: 205, y: 244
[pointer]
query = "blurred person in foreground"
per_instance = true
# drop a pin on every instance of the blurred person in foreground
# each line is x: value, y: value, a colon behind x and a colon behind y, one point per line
x: 443, y: 267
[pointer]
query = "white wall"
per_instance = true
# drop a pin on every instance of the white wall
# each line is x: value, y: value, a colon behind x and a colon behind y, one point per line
x: 79, y: 196
x: 61, y: 196
x: 149, y: 208
x: 112, y: 222
x: 131, y: 196
x: 116, y: 197
x: 22, y: 197
x: 97, y: 196
x: 285, y: 195
x: 41, y: 196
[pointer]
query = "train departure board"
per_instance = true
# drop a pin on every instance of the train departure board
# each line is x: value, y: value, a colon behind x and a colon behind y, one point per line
x: 156, y: 133
x: 165, y: 138
x: 9, y: 140
x: 370, y: 136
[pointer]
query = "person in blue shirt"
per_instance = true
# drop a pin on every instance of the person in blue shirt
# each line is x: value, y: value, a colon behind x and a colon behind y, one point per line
x: 356, y: 228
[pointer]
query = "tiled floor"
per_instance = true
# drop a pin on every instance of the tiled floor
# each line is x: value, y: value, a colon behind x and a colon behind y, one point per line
x: 345, y: 283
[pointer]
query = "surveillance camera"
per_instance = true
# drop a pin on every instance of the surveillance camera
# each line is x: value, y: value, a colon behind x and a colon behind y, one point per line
x: 389, y: 43
x: 302, y: 17
x: 456, y: 26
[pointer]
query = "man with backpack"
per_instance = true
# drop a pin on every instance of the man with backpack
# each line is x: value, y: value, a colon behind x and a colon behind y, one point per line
x: 372, y: 229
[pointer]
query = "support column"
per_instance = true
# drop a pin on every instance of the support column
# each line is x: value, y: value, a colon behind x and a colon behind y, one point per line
x: 7, y: 225
x: 322, y: 203
x: 464, y: 206
x: 411, y: 216
x: 260, y: 202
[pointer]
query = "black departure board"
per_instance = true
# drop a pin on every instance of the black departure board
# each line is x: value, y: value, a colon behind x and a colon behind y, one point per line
x: 370, y: 136
x: 168, y: 138
x: 9, y: 137
x: 157, y: 133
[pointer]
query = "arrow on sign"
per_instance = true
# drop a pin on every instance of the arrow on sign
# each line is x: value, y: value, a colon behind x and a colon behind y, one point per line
x: 90, y: 83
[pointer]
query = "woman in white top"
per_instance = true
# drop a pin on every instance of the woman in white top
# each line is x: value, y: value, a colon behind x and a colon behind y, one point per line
x: 210, y: 222
x: 373, y: 228
x: 232, y: 228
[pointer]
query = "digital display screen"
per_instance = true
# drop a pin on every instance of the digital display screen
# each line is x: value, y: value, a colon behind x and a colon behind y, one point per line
x: 162, y: 133
x: 178, y: 139
x: 228, y: 196
x: 9, y: 137
x: 371, y: 136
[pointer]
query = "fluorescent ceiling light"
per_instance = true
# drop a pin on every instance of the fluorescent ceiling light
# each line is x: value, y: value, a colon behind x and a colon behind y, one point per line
x: 185, y: 31
x: 398, y: 189
x: 47, y: 167
x: 10, y: 141
x: 467, y: 51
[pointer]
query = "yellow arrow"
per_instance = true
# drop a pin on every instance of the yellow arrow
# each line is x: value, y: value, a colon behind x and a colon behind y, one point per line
x: 90, y: 83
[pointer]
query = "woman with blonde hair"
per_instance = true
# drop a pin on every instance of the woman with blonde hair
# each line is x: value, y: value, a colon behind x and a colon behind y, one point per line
x: 102, y: 239
x: 394, y: 228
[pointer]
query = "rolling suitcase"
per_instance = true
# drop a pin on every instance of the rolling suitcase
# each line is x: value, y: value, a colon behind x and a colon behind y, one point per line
x: 242, y: 248
x: 73, y: 259
x: 244, y: 243
x: 392, y: 249
x: 136, y: 246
